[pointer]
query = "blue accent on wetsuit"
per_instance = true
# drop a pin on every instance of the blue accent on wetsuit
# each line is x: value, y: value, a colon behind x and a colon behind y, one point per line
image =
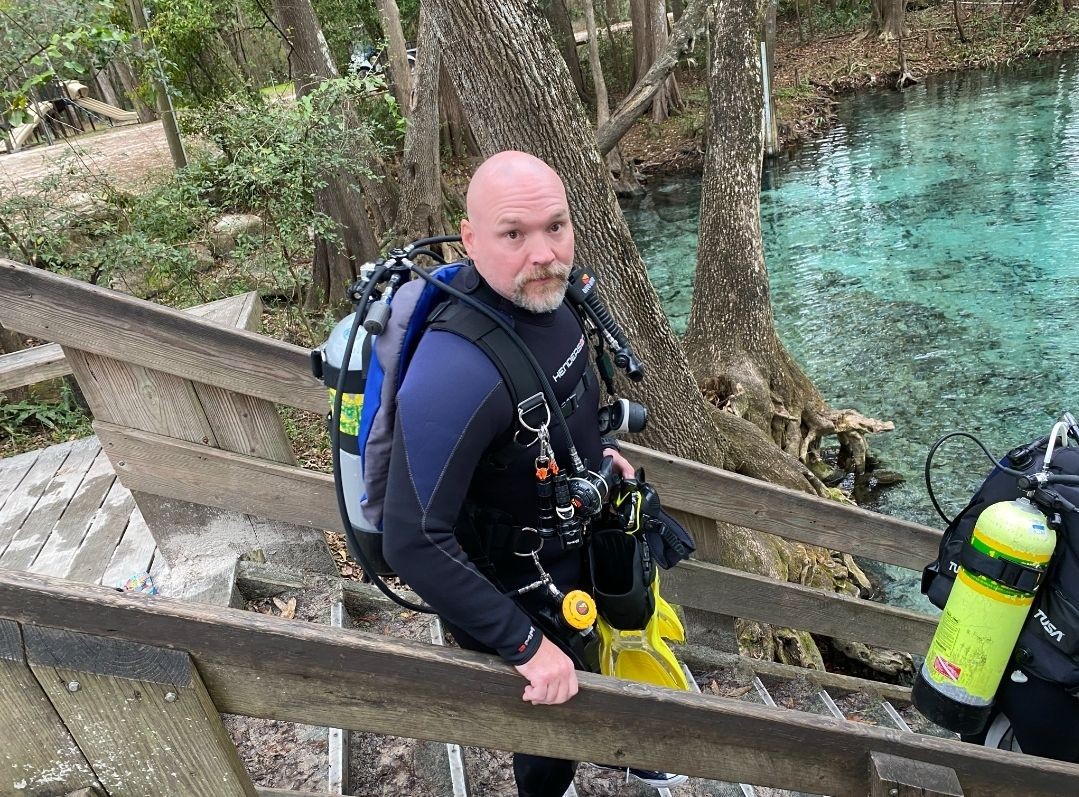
x: 451, y: 409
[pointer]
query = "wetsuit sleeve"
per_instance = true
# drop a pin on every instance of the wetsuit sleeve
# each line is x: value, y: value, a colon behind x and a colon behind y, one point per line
x: 450, y: 407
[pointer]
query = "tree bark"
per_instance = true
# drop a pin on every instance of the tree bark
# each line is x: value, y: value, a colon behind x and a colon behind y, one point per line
x: 131, y: 88
x: 625, y: 180
x: 400, y: 74
x: 639, y: 97
x: 419, y: 212
x: 104, y: 87
x: 335, y: 261
x: 458, y: 133
x: 668, y: 99
x: 562, y: 30
x: 731, y: 340
x: 680, y: 420
x: 164, y: 103
x: 888, y: 19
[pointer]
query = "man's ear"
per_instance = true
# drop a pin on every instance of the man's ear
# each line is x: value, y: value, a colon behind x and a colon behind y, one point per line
x: 468, y: 235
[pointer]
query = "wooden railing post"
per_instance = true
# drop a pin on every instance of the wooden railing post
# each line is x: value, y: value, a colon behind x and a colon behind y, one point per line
x: 140, y: 714
x: 194, y: 537
x: 893, y: 776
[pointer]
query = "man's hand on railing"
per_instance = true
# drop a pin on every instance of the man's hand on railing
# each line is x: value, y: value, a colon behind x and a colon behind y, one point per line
x: 550, y: 674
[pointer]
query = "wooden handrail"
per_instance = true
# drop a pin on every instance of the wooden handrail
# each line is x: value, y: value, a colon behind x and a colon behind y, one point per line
x: 97, y: 320
x: 205, y: 475
x: 257, y: 665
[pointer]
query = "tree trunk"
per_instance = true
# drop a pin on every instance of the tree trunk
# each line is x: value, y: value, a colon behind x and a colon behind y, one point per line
x: 625, y: 180
x: 459, y: 138
x: 731, y: 339
x: 131, y: 89
x: 562, y: 30
x: 642, y: 42
x: 104, y: 88
x: 419, y: 212
x: 668, y: 98
x: 164, y: 102
x: 680, y: 420
x: 649, y: 19
x: 639, y: 97
x: 335, y: 261
x: 400, y: 74
x: 887, y: 20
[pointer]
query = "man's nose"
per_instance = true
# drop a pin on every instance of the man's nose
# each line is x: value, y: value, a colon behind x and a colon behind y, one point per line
x: 542, y: 253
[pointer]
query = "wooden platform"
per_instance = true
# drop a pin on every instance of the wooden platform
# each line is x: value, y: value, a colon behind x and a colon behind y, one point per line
x: 64, y: 513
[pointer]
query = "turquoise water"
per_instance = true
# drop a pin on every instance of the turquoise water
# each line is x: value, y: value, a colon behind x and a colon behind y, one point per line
x: 924, y: 266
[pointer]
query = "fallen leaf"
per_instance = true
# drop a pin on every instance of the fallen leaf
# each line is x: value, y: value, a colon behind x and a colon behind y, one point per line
x: 288, y: 610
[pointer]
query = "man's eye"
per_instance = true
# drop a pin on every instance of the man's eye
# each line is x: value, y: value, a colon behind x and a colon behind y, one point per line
x: 512, y: 235
x: 556, y: 227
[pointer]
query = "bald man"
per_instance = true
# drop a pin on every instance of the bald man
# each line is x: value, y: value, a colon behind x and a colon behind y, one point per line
x: 458, y: 522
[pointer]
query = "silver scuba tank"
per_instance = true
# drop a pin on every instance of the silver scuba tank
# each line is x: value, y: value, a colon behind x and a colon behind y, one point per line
x: 330, y: 356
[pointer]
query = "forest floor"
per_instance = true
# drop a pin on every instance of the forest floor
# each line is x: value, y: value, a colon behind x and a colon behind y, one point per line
x: 814, y: 69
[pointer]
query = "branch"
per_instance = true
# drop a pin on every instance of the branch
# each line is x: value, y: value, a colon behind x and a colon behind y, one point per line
x: 608, y: 136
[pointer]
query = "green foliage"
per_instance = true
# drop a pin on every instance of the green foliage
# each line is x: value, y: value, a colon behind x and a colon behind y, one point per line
x: 61, y: 420
x: 356, y: 22
x: 274, y: 156
x: 52, y: 40
x: 78, y: 223
x: 837, y: 17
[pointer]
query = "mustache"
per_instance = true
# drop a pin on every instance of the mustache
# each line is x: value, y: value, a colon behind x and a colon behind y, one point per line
x: 552, y: 271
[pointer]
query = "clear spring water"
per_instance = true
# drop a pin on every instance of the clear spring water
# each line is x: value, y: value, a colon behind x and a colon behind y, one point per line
x: 924, y: 266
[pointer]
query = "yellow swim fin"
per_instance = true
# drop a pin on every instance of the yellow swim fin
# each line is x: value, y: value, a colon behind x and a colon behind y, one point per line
x: 640, y: 656
x: 670, y: 625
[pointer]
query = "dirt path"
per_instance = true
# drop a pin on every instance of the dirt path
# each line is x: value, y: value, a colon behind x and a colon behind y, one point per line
x: 131, y: 156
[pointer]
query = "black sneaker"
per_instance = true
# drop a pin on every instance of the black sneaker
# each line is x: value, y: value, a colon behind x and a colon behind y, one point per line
x: 657, y: 780
x: 653, y: 778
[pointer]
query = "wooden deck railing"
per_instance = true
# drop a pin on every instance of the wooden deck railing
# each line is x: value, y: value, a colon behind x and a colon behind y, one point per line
x: 419, y: 688
x: 122, y: 328
x: 211, y: 660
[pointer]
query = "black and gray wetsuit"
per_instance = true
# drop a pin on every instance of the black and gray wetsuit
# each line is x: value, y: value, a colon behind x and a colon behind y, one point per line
x: 453, y: 408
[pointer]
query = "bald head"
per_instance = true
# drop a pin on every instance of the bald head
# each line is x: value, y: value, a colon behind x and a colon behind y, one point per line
x: 518, y: 230
x: 506, y: 171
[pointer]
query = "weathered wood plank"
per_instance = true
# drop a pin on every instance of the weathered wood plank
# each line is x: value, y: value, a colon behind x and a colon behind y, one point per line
x: 213, y: 477
x: 12, y: 471
x: 29, y: 366
x: 338, y: 741
x: 244, y: 424
x: 22, y: 499
x: 703, y: 585
x: 38, y: 755
x: 258, y: 665
x: 232, y: 311
x: 208, y: 476
x: 141, y: 398
x: 42, y: 304
x: 722, y: 495
x: 34, y: 531
x: 140, y: 714
x: 891, y: 776
x: 58, y: 552
x: 132, y: 548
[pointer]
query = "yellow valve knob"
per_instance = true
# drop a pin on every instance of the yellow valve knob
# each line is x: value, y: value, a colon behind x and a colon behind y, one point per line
x: 579, y: 609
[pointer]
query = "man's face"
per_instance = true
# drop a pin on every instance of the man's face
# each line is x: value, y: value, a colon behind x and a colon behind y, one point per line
x: 520, y: 236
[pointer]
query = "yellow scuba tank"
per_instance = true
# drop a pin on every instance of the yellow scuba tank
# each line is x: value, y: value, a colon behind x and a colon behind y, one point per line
x: 1000, y: 569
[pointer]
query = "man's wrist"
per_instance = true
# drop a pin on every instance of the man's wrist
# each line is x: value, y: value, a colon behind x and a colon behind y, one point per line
x: 610, y: 442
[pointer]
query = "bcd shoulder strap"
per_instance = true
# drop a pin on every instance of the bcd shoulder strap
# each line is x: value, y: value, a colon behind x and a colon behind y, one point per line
x: 513, y: 366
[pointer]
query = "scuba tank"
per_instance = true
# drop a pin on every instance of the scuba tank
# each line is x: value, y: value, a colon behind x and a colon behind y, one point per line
x: 326, y: 363
x: 1000, y: 570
